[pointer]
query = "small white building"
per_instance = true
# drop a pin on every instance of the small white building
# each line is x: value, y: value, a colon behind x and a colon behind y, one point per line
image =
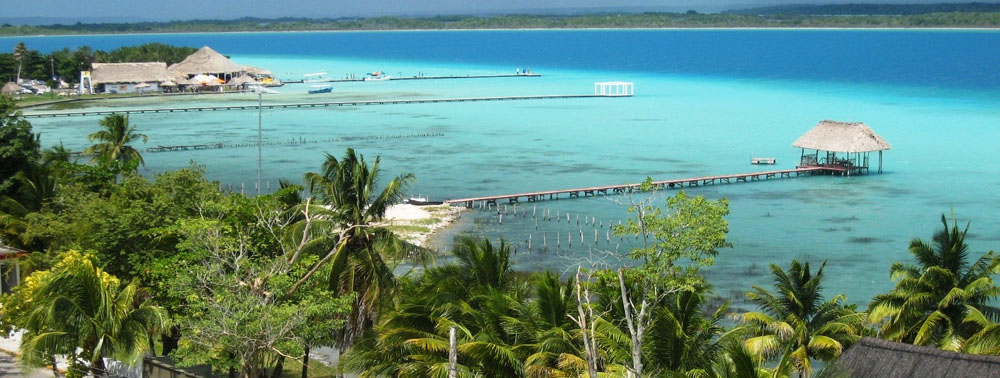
x: 10, y: 267
x: 129, y: 77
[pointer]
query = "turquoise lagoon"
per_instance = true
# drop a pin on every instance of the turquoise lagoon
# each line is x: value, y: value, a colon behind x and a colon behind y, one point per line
x: 705, y: 101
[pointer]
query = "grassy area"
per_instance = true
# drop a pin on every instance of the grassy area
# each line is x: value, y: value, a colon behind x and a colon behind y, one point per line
x: 407, y: 228
x: 427, y: 221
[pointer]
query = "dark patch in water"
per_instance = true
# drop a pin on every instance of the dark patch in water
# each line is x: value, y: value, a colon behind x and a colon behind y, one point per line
x: 657, y: 160
x: 841, y: 219
x: 867, y: 240
x: 835, y: 229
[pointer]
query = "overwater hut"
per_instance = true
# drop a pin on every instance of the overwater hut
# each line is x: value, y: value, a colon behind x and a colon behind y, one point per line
x: 128, y: 77
x: 10, y: 267
x: 846, y: 147
x: 874, y: 358
x: 206, y: 61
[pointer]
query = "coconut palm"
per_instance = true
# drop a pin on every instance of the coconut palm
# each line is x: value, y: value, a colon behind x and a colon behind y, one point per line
x: 796, y: 323
x: 19, y: 51
x: 80, y: 306
x: 114, y: 141
x: 473, y: 296
x: 943, y: 300
x: 353, y: 203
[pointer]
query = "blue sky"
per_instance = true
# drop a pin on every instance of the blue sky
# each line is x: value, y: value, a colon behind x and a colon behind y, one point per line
x: 162, y: 10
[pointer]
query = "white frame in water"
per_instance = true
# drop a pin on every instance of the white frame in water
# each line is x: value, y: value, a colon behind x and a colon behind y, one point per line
x: 614, y: 88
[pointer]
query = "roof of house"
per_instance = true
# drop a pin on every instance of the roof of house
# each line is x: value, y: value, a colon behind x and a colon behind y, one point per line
x: 842, y: 137
x: 205, y: 61
x: 10, y: 252
x: 105, y: 73
x: 873, y: 358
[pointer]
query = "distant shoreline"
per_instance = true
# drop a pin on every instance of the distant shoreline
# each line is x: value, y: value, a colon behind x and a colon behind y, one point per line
x: 720, y: 28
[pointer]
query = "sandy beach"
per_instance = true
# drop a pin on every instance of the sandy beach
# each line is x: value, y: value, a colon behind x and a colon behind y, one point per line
x: 417, y: 223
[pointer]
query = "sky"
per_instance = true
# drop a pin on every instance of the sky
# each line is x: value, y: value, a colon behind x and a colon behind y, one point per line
x: 166, y: 10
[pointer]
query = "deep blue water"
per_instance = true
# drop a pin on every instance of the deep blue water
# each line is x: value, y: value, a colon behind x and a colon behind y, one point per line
x: 935, y: 58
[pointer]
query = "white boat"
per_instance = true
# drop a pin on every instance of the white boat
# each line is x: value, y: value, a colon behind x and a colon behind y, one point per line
x: 377, y: 76
x: 317, y: 77
x: 260, y: 88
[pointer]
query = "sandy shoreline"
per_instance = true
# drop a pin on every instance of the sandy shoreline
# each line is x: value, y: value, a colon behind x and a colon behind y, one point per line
x: 416, y: 224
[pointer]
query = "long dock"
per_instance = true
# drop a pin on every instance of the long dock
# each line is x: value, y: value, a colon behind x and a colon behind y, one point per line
x: 623, y: 188
x: 393, y: 78
x: 305, y: 105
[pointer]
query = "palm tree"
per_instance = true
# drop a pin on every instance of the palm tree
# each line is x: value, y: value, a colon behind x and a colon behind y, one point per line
x: 19, y: 51
x: 796, y: 323
x: 353, y: 203
x: 114, y: 141
x: 475, y: 297
x: 80, y: 306
x: 942, y: 301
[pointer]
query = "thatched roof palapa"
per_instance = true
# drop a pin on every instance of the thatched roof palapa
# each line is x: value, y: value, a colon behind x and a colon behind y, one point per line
x: 836, y: 136
x: 874, y: 358
x: 241, y: 80
x: 11, y: 88
x: 256, y: 71
x: 204, y: 61
x: 110, y: 73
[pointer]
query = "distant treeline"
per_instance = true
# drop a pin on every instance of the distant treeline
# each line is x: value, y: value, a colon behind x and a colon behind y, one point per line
x: 689, y: 19
x: 870, y: 9
x: 67, y: 63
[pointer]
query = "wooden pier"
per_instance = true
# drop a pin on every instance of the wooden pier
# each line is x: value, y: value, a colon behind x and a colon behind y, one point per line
x: 676, y: 183
x: 305, y: 105
x: 394, y: 78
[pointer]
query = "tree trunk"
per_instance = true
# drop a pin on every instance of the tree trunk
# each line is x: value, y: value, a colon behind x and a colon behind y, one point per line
x: 305, y: 363
x: 589, y: 342
x: 19, y: 74
x: 170, y: 340
x: 55, y: 369
x: 278, y: 367
x: 452, y: 353
x: 97, y: 367
x: 634, y: 323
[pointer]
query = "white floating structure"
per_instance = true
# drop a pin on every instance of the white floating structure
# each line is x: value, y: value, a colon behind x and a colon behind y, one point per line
x: 614, y: 88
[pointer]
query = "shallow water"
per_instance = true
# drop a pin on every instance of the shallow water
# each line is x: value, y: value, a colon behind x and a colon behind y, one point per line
x: 705, y: 102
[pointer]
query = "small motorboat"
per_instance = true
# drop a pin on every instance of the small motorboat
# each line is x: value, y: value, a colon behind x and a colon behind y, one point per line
x: 377, y: 76
x: 763, y: 160
x: 421, y: 201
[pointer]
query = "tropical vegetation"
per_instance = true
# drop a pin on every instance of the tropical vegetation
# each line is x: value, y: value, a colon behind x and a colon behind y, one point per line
x: 122, y: 265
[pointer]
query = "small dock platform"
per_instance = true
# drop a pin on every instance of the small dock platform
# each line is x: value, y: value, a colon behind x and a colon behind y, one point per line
x: 627, y: 188
x: 306, y: 105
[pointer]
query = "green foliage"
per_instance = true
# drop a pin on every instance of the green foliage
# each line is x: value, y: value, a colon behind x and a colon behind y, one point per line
x: 66, y: 64
x: 677, y: 239
x: 77, y: 305
x: 355, y: 209
x: 941, y: 17
x: 113, y: 144
x: 943, y: 300
x: 19, y: 147
x: 795, y: 322
x: 232, y: 281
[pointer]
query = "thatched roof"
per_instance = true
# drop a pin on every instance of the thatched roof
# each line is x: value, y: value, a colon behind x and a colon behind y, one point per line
x: 256, y: 71
x: 11, y: 88
x: 241, y: 80
x: 105, y: 73
x: 842, y: 137
x: 885, y: 359
x: 205, y: 61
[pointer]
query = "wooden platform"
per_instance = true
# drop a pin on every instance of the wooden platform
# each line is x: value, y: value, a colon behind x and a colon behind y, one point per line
x: 304, y: 105
x: 438, y: 77
x: 676, y: 183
